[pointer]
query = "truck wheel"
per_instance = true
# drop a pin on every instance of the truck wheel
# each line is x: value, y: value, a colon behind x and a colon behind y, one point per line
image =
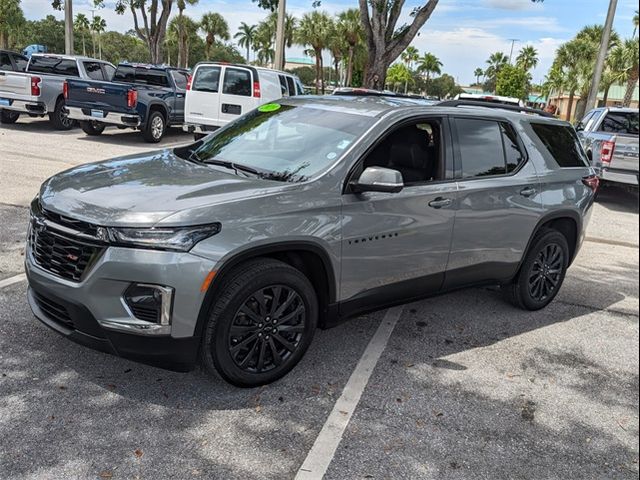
x: 8, y: 116
x: 155, y: 127
x: 261, y: 324
x: 542, y: 272
x: 92, y: 128
x: 59, y: 118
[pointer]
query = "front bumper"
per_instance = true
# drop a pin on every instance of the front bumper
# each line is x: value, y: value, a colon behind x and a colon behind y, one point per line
x: 111, y: 118
x: 26, y: 106
x: 92, y: 312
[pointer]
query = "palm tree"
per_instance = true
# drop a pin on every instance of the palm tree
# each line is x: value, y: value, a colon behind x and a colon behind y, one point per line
x: 527, y: 58
x: 350, y: 28
x: 409, y: 56
x: 214, y: 26
x: 99, y: 25
x: 630, y: 58
x: 614, y: 71
x: 573, y: 57
x: 82, y: 25
x: 176, y: 26
x: 182, y: 32
x: 635, y: 24
x: 554, y: 82
x: 245, y: 36
x: 495, y: 63
x: 314, y: 31
x: 478, y: 72
x: 337, y: 46
x: 429, y: 64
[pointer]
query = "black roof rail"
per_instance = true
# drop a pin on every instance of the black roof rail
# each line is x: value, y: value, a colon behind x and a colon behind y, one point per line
x: 501, y: 106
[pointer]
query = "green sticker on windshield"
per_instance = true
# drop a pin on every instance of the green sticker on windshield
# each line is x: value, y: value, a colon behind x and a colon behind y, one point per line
x: 269, y: 107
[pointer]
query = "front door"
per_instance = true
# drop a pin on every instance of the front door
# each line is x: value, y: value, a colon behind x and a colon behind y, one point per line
x: 396, y: 245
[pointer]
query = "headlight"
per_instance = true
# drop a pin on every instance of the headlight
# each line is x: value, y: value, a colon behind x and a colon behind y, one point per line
x: 170, y: 238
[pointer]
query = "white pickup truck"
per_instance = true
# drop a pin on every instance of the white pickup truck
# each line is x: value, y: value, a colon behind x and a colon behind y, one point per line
x: 39, y: 90
x: 610, y: 138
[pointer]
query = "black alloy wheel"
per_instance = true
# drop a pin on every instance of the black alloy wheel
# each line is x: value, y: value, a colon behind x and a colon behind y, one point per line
x: 546, y: 272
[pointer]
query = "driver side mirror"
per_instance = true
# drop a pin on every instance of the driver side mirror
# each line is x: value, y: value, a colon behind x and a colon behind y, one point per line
x: 378, y: 179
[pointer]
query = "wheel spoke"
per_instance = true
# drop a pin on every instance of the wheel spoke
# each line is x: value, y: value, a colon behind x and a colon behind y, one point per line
x: 275, y: 299
x: 250, y: 355
x: 277, y: 359
x: 291, y: 315
x: 260, y: 365
x: 291, y: 328
x: 292, y: 295
x: 286, y: 344
x: 250, y: 313
x: 262, y: 302
x: 243, y: 343
x: 240, y: 330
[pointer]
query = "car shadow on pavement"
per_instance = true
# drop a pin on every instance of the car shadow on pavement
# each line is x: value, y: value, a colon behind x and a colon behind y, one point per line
x: 68, y: 411
x: 618, y: 199
x: 113, y: 135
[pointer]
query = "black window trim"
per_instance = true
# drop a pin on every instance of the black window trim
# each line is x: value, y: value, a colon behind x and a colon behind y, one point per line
x: 448, y: 153
x: 458, y: 157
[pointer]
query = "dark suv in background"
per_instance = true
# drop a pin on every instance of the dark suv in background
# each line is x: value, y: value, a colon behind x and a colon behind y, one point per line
x: 297, y: 215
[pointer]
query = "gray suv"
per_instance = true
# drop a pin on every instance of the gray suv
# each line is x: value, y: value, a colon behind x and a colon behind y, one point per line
x: 232, y: 250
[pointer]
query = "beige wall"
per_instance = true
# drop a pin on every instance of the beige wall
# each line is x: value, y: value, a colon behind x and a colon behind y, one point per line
x: 563, y: 104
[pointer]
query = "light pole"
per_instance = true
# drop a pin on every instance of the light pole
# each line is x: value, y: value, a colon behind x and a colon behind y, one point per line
x: 513, y: 41
x: 278, y: 64
x: 602, y: 55
x: 68, y: 27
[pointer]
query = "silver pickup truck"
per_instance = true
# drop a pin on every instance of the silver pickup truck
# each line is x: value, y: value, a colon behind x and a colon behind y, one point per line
x: 39, y: 90
x: 610, y: 138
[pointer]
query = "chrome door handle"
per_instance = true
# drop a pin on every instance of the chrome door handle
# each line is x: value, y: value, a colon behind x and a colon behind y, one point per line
x: 527, y: 191
x: 440, y: 202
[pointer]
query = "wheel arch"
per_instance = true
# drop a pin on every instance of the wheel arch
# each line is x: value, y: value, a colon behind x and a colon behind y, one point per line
x: 308, y: 257
x: 157, y: 107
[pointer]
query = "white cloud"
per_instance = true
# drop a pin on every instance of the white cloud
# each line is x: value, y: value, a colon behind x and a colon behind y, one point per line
x: 517, y: 5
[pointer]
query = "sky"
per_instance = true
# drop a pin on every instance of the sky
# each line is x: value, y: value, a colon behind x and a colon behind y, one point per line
x: 462, y: 33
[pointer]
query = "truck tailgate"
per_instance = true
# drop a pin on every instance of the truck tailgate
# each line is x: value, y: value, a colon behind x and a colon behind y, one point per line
x: 625, y: 153
x: 96, y: 95
x: 15, y: 85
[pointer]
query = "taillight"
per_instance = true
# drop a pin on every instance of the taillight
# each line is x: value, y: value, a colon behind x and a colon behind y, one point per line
x: 35, y: 86
x: 256, y: 89
x: 132, y: 98
x: 592, y: 181
x: 189, y: 82
x: 606, y: 151
x: 65, y: 90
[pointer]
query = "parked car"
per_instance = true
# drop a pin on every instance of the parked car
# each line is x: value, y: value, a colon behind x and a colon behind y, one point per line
x: 610, y: 138
x: 299, y: 214
x: 38, y: 91
x: 145, y: 97
x: 11, y: 62
x: 483, y: 97
x: 212, y: 103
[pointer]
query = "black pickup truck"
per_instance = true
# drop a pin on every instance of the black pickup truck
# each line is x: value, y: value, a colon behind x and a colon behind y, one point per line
x: 145, y: 97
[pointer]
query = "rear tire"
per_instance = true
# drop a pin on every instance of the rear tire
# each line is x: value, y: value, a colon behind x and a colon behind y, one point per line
x: 9, y: 116
x: 155, y: 127
x: 58, y: 118
x: 261, y: 323
x: 542, y: 272
x: 92, y: 128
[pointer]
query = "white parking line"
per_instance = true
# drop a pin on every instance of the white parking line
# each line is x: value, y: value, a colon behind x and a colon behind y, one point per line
x: 11, y: 280
x: 324, y: 448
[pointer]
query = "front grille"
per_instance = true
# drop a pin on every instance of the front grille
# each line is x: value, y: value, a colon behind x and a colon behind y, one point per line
x: 53, y: 310
x: 62, y: 246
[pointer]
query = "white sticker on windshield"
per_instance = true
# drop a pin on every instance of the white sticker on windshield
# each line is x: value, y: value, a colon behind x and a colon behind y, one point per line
x: 343, y: 144
x: 331, y: 155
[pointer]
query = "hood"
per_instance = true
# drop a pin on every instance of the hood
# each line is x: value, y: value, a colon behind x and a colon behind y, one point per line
x: 142, y: 189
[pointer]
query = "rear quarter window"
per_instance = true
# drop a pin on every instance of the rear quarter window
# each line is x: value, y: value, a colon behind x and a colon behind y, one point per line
x: 124, y: 73
x: 562, y: 143
x: 620, y: 122
x: 54, y: 66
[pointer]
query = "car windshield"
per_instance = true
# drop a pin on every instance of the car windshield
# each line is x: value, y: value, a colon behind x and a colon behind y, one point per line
x: 281, y: 142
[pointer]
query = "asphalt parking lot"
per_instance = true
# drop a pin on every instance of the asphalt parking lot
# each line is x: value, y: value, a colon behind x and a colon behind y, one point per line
x: 466, y: 387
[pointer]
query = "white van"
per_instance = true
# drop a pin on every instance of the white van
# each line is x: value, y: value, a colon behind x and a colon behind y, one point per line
x: 484, y: 97
x: 218, y: 93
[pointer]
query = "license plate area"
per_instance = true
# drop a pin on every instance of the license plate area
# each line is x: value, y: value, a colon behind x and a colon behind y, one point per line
x: 5, y: 102
x: 97, y: 113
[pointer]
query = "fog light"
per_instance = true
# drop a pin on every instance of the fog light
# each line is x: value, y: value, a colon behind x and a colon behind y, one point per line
x: 151, y: 303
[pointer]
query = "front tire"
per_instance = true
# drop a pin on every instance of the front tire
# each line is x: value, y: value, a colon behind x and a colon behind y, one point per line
x: 155, y: 127
x: 8, y: 117
x: 542, y: 272
x: 59, y: 118
x: 92, y: 128
x: 261, y: 324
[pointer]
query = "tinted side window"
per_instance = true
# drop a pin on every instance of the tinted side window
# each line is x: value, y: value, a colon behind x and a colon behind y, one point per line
x: 513, y: 154
x: 207, y: 79
x: 94, y: 70
x: 180, y: 79
x: 21, y: 62
x: 620, y: 122
x: 5, y: 62
x: 283, y: 86
x: 149, y: 76
x: 124, y: 73
x: 292, y: 86
x: 109, y: 71
x: 562, y: 143
x: 54, y: 66
x: 237, y: 82
x: 480, y: 144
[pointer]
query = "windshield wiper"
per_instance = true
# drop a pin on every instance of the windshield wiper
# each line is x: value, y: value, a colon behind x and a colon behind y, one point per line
x: 233, y: 166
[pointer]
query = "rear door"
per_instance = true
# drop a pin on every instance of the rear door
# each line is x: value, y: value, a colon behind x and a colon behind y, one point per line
x: 498, y: 202
x: 202, y: 105
x: 236, y: 97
